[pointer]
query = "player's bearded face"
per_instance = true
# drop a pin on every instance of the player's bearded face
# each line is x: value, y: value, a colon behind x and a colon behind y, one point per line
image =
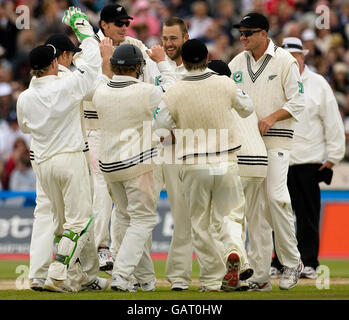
x: 173, y: 52
x: 172, y: 41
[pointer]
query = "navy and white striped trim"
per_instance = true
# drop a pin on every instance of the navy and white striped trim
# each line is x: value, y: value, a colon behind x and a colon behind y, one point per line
x: 86, y: 147
x: 90, y: 114
x: 96, y: 37
x: 253, y: 160
x: 200, y: 77
x: 217, y: 153
x: 283, y: 133
x: 123, y: 84
x: 31, y: 155
x: 125, y: 164
x: 253, y: 75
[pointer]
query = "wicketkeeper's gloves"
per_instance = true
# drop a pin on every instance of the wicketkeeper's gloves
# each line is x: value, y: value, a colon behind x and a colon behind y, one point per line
x: 78, y: 21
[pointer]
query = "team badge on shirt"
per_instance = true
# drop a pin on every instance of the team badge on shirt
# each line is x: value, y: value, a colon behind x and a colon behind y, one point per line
x: 156, y: 113
x: 301, y: 88
x: 237, y: 76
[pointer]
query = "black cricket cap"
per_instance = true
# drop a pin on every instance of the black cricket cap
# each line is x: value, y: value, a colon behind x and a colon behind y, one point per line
x: 194, y: 51
x: 42, y: 56
x: 114, y: 12
x: 220, y: 67
x: 62, y: 43
x: 253, y: 20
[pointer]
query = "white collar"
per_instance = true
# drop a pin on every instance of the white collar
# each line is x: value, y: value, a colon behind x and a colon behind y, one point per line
x: 63, y: 68
x: 270, y: 50
x: 197, y: 72
x: 124, y: 78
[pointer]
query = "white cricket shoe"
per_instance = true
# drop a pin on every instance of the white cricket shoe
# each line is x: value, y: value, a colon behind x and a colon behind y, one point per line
x: 99, y: 284
x: 179, y: 286
x: 309, y: 273
x: 105, y: 259
x: 243, y: 286
x: 246, y: 272
x: 37, y: 284
x: 54, y: 285
x: 121, y: 284
x: 205, y: 289
x: 290, y: 276
x: 259, y: 286
x: 275, y: 273
x: 148, y: 286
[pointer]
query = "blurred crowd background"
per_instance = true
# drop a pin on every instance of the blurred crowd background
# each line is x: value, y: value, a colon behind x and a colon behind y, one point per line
x: 323, y: 27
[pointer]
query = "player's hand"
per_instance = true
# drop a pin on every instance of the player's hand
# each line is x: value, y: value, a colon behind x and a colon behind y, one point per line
x: 106, y: 48
x: 157, y: 53
x: 265, y: 124
x: 326, y: 164
x: 79, y: 23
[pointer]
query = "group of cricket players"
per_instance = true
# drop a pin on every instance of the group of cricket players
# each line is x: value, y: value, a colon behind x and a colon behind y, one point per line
x: 130, y: 121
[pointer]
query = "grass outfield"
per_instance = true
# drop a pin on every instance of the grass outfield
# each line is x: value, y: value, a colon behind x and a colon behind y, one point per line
x: 306, y: 290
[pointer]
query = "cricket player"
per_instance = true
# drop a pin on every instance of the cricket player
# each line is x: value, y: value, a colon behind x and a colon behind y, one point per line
x: 270, y: 76
x: 209, y: 174
x: 125, y: 105
x: 252, y: 164
x: 180, y: 253
x: 114, y: 23
x: 41, y: 245
x: 50, y: 110
x: 319, y: 144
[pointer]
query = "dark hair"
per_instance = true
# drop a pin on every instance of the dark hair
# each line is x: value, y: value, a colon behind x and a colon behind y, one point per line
x: 39, y: 73
x: 190, y: 66
x: 175, y: 21
x: 125, y: 70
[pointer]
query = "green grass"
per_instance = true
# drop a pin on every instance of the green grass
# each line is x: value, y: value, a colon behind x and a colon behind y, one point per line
x: 338, y: 269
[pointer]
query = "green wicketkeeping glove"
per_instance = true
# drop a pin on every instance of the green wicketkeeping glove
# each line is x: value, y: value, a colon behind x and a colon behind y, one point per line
x: 79, y: 23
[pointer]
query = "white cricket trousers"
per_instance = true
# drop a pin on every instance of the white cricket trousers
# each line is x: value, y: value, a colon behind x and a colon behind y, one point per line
x: 216, y: 203
x: 180, y: 254
x: 102, y: 202
x: 136, y: 203
x: 65, y: 181
x: 41, y: 244
x: 259, y: 242
x: 277, y: 216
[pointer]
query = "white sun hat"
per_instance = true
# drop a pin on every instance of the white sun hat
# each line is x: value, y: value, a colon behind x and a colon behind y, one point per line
x: 292, y: 44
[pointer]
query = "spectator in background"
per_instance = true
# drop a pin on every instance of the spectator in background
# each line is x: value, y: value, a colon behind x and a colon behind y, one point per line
x: 200, y: 21
x: 143, y: 15
x: 5, y: 104
x: 9, y: 135
x: 23, y: 176
x: 226, y: 17
x: 19, y: 149
x: 141, y: 32
x: 49, y: 21
x: 8, y: 30
x: 178, y: 8
x: 340, y: 79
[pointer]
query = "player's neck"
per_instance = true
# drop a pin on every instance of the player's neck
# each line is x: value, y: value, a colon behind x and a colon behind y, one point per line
x: 260, y: 50
x: 178, y: 61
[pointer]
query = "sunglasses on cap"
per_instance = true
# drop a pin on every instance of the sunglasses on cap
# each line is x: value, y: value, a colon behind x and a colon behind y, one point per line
x: 119, y: 23
x: 248, y: 33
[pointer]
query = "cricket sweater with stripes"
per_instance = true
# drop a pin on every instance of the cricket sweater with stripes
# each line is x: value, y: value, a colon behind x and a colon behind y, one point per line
x: 126, y: 106
x: 273, y: 83
x: 202, y: 103
x: 90, y: 111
